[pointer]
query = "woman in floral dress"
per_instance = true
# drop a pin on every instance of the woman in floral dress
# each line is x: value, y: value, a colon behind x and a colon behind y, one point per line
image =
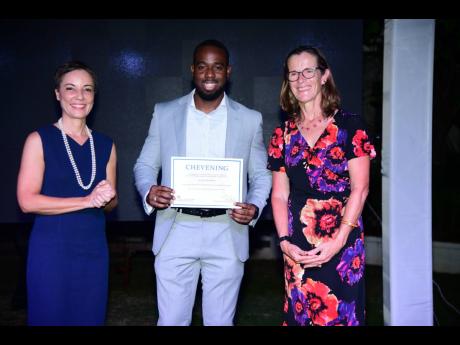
x: 320, y: 158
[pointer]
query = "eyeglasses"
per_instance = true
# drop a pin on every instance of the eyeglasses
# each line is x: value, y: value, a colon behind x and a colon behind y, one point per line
x: 307, y: 73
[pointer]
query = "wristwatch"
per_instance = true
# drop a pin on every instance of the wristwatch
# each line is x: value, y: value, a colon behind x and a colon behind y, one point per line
x: 284, y: 238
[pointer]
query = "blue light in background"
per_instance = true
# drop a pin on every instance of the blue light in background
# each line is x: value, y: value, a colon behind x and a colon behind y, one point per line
x: 130, y: 63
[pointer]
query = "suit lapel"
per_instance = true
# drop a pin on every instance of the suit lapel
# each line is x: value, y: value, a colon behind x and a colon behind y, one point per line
x: 234, y: 124
x: 180, y: 124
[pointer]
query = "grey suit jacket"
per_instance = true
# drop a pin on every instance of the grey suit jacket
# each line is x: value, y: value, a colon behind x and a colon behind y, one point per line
x: 166, y: 138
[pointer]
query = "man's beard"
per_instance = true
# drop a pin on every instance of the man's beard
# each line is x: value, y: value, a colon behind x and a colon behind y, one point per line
x: 210, y: 96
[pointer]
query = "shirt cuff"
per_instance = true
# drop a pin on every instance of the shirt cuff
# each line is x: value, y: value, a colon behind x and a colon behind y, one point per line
x: 254, y: 221
x: 147, y: 208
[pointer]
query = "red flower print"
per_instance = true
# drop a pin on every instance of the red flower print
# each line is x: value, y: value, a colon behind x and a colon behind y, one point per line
x: 276, y: 144
x: 362, y: 145
x: 288, y: 265
x: 293, y: 274
x: 356, y: 263
x: 274, y: 152
x: 328, y: 222
x: 298, y: 272
x: 329, y: 136
x: 315, y: 161
x: 322, y: 306
x: 315, y: 304
x: 289, y: 130
x: 305, y: 154
x: 298, y: 307
x: 352, y: 262
x: 330, y: 175
x: 337, y: 153
x: 322, y: 219
x: 368, y: 147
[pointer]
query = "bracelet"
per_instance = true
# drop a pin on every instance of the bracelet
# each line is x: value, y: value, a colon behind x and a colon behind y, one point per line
x: 284, y: 238
x: 346, y: 222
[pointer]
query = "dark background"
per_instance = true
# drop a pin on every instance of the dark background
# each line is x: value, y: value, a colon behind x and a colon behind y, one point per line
x: 142, y: 62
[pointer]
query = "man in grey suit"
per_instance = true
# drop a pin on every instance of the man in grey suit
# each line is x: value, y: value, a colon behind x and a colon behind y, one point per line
x: 192, y: 241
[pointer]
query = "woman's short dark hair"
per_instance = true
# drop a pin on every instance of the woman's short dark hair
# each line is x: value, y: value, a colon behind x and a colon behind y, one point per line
x: 73, y: 66
x: 330, y: 95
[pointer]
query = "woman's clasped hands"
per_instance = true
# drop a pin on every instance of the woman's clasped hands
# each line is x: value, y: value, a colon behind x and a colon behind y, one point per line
x: 101, y: 195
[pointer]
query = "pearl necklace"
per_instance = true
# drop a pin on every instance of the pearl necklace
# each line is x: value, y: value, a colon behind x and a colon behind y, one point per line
x: 72, y: 161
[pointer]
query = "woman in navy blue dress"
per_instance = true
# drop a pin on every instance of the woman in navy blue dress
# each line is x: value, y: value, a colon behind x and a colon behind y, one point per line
x: 320, y: 158
x: 67, y: 178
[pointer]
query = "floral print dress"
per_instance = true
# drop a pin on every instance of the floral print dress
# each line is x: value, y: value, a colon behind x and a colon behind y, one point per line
x: 319, y: 189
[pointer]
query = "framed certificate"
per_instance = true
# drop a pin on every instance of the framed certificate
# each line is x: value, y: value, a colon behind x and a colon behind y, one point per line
x: 206, y: 182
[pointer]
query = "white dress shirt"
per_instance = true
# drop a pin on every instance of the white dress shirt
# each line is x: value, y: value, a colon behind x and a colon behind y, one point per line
x: 205, y: 134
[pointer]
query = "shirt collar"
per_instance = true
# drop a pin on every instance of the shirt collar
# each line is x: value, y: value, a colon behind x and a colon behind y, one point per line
x: 223, y: 102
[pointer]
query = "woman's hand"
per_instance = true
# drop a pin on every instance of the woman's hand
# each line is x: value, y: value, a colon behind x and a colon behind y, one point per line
x: 292, y: 251
x: 322, y: 253
x: 101, y: 195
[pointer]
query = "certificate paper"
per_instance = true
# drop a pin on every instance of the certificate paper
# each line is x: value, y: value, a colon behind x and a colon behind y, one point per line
x: 206, y: 182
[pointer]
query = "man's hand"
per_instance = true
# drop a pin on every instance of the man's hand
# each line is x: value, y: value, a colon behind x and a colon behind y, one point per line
x: 245, y: 214
x: 160, y: 197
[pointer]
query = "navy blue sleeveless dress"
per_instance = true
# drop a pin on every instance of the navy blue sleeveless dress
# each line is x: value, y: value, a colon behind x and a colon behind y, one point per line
x: 67, y: 266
